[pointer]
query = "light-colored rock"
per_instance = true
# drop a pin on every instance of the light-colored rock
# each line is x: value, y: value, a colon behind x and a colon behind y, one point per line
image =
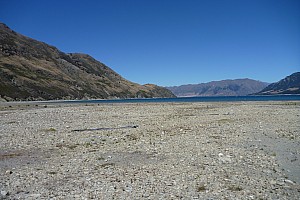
x: 8, y: 172
x: 289, y: 181
x: 4, y: 193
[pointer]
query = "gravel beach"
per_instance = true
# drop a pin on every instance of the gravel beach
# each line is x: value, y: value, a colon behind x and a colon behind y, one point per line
x: 240, y: 150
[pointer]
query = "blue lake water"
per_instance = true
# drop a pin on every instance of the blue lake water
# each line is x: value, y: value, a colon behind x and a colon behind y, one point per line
x: 189, y: 99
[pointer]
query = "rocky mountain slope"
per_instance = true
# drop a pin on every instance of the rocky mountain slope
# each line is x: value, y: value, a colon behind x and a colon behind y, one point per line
x: 237, y: 87
x: 288, y: 85
x: 33, y: 70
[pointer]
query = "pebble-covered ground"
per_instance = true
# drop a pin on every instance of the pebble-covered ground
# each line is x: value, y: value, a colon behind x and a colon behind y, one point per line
x: 244, y: 150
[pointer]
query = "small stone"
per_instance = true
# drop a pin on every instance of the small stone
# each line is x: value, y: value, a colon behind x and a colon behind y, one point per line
x: 201, y: 187
x: 8, y: 172
x: 35, y: 195
x: 289, y: 181
x: 169, y: 184
x: 224, y: 159
x: 280, y: 183
x: 4, y: 193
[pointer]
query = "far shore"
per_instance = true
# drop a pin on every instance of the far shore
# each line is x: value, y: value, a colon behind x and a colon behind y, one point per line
x: 285, y: 97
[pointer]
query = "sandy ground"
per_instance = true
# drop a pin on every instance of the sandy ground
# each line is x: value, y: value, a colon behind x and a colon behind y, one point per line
x: 242, y: 150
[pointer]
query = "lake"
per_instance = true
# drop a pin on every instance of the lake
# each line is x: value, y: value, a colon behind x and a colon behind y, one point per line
x: 187, y: 99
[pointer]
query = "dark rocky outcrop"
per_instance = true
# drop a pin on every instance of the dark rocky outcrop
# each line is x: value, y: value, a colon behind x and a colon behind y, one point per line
x: 288, y: 85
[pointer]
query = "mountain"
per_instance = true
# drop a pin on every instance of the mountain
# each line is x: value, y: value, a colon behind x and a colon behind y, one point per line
x: 288, y: 85
x: 237, y: 87
x: 33, y: 70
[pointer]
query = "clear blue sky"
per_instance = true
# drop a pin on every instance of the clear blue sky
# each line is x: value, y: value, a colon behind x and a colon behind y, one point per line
x: 169, y: 42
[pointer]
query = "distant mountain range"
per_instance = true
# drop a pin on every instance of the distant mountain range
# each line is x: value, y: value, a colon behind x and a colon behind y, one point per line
x: 33, y: 70
x: 288, y: 85
x: 237, y: 87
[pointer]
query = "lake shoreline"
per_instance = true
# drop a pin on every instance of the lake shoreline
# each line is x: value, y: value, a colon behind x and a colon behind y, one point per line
x: 249, y: 98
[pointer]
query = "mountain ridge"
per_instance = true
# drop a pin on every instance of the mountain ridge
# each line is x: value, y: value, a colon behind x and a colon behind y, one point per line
x: 228, y: 87
x: 34, y: 70
x: 287, y: 85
